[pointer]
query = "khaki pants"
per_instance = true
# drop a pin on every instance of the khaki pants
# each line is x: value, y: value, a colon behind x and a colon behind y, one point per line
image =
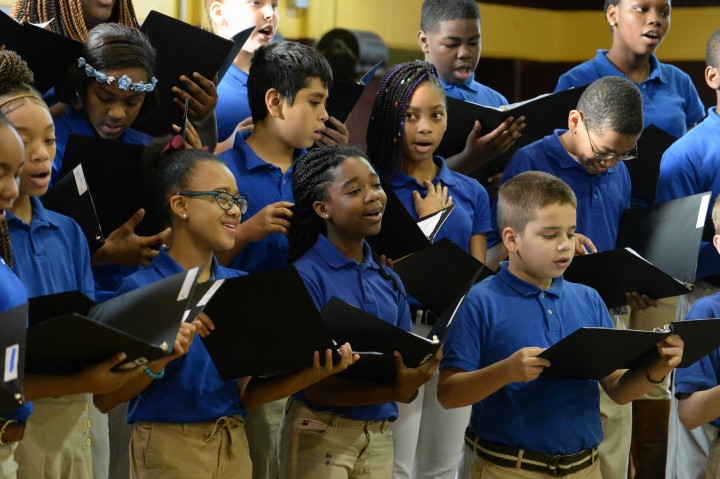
x: 319, y: 445
x: 713, y: 466
x: 57, y: 442
x: 481, y: 469
x: 8, y: 466
x: 215, y: 449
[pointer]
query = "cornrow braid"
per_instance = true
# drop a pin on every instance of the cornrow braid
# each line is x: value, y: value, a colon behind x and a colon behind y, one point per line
x: 312, y: 175
x: 5, y: 246
x: 67, y: 15
x: 385, y: 128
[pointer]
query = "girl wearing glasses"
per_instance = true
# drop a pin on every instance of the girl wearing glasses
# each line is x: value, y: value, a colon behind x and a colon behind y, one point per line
x: 188, y: 422
x: 670, y: 99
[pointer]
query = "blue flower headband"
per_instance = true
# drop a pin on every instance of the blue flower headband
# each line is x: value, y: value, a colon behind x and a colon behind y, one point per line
x: 125, y: 83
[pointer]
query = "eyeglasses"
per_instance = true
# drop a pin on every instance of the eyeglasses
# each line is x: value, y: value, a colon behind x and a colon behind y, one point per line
x: 611, y: 156
x: 223, y: 199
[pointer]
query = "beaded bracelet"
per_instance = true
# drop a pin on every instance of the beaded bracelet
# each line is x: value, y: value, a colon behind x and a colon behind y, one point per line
x: 153, y: 375
x: 659, y: 381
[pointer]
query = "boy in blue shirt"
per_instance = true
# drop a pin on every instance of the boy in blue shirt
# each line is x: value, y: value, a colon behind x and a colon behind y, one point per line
x: 696, y: 387
x: 692, y: 165
x: 522, y: 424
x: 449, y: 37
x: 287, y: 89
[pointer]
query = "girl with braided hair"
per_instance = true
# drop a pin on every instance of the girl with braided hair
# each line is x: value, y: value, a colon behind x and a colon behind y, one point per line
x: 74, y: 18
x: 406, y: 126
x: 338, y: 428
x: 49, y: 254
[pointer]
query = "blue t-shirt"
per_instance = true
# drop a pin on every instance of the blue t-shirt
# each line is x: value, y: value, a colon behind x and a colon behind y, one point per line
x: 327, y: 272
x: 233, y: 105
x: 107, y: 276
x: 262, y: 183
x: 475, y: 92
x: 504, y: 314
x: 471, y: 215
x: 13, y: 294
x: 191, y: 390
x: 704, y: 374
x: 51, y: 253
x: 692, y: 165
x: 601, y: 199
x: 670, y: 99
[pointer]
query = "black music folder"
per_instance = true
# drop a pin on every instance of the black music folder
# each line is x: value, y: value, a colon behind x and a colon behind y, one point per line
x: 593, y: 353
x: 543, y: 115
x: 69, y: 332
x: 344, y: 95
x: 48, y: 54
x: 439, y: 277
x: 112, y: 172
x: 12, y: 345
x: 648, y: 260
x: 375, y: 341
x: 400, y: 234
x: 265, y: 323
x: 645, y: 169
x: 71, y: 196
x: 181, y: 50
x: 617, y: 272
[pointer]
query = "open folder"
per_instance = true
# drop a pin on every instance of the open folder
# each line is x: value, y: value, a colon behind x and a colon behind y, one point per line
x: 648, y: 260
x: 375, y: 341
x: 543, y: 115
x: 71, y: 196
x: 264, y: 323
x: 69, y: 332
x: 48, y: 54
x: 593, y: 353
x: 181, y: 50
x: 110, y: 171
x: 12, y: 345
x: 344, y: 95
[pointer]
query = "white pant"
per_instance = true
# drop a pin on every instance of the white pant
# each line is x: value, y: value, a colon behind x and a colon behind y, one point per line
x: 428, y: 439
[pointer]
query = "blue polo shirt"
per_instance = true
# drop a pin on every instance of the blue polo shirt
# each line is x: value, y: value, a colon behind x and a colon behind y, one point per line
x: 74, y: 122
x: 692, y: 165
x: 471, y: 215
x: 601, y: 199
x: 670, y: 99
x: 504, y: 314
x: 233, y: 105
x: 13, y: 294
x: 191, y: 390
x: 51, y: 253
x: 327, y: 272
x: 262, y: 183
x: 107, y: 276
x: 704, y: 374
x: 475, y: 92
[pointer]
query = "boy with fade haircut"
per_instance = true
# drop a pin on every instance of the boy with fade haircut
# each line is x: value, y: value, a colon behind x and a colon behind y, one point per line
x: 449, y: 37
x: 692, y: 165
x: 287, y: 90
x: 524, y: 425
x: 602, y: 132
x: 698, y: 386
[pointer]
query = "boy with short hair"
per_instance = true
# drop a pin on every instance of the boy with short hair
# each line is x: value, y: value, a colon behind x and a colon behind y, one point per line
x: 287, y: 89
x: 696, y: 387
x: 523, y: 424
x: 449, y: 37
x: 692, y: 165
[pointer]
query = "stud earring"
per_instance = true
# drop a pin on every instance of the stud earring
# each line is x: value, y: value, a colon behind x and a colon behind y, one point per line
x: 184, y: 216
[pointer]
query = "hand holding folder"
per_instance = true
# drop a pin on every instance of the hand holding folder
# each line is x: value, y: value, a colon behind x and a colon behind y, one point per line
x: 69, y: 332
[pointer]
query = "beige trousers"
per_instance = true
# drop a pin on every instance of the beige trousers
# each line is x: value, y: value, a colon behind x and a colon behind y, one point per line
x: 481, y: 469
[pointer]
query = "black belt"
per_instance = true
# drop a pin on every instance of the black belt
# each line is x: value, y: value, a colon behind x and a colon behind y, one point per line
x: 557, y: 466
x: 423, y: 316
x: 11, y: 431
